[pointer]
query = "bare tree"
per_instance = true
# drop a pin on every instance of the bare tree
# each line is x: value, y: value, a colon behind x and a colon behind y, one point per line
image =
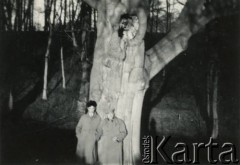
x: 48, y: 24
x: 7, y: 9
x: 212, y: 97
x: 10, y: 101
x: 215, y: 106
x: 48, y: 9
x: 54, y: 13
x: 127, y: 101
x: 47, y: 54
x: 65, y: 12
x: 62, y: 68
x: 167, y: 15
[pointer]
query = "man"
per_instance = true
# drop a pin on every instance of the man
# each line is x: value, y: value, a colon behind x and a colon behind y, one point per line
x: 111, y: 133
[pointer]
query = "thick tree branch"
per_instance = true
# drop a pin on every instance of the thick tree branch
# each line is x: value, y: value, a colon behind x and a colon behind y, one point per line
x: 195, y: 15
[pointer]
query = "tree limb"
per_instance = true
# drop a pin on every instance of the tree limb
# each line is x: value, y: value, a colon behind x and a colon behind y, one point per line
x: 194, y: 16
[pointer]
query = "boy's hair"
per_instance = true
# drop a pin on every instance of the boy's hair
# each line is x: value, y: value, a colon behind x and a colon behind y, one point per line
x: 91, y: 103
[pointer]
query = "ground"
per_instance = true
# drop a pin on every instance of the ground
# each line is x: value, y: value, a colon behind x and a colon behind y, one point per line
x: 29, y: 142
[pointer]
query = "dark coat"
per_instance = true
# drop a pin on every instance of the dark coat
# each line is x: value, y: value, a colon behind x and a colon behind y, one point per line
x: 110, y: 152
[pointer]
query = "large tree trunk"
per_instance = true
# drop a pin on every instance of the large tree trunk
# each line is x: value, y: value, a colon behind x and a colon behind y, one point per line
x: 119, y: 80
x: 119, y: 77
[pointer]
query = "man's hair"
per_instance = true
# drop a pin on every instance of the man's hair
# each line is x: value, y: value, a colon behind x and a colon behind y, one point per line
x: 91, y: 103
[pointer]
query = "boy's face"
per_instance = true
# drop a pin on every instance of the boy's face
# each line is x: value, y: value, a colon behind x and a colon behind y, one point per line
x: 91, y: 109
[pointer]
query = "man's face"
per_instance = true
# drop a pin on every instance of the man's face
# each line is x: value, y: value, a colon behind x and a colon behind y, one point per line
x: 91, y: 109
x: 110, y: 115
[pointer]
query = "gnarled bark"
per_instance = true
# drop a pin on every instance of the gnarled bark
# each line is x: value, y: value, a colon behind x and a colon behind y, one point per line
x: 114, y: 85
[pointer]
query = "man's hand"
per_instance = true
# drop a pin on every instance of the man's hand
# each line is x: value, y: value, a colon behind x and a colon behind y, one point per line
x: 115, y: 139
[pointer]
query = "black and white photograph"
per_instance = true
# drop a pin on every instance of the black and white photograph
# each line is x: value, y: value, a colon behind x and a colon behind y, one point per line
x: 119, y: 82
